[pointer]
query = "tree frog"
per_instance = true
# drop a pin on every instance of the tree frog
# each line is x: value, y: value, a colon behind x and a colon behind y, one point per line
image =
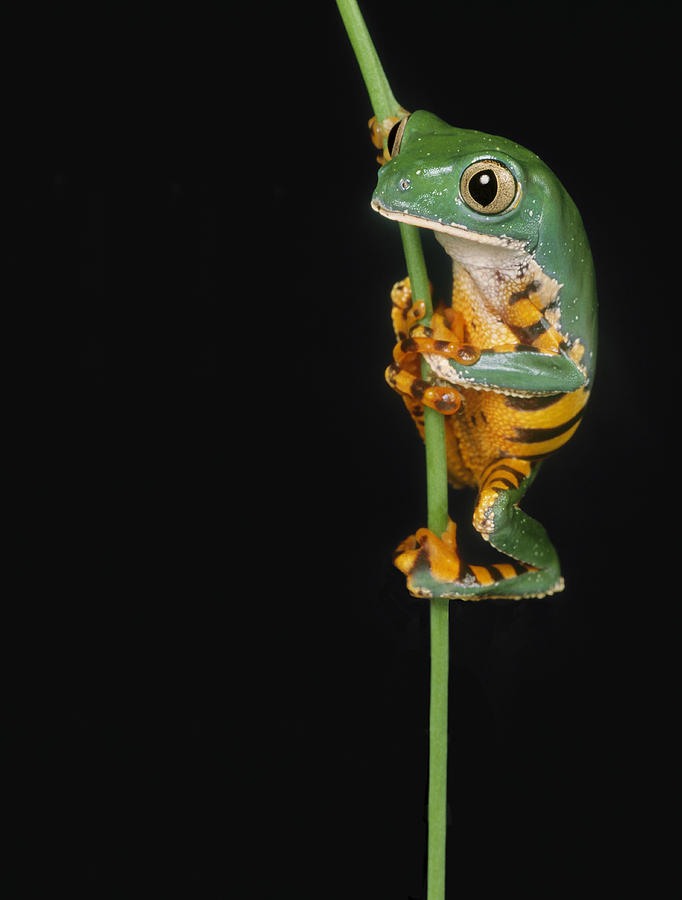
x: 511, y: 356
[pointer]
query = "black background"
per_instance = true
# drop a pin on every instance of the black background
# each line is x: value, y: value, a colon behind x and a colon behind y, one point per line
x: 217, y: 673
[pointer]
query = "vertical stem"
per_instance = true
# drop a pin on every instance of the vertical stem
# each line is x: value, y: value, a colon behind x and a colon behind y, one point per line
x: 381, y: 96
x: 438, y: 748
x: 437, y: 500
x: 384, y: 105
x: 434, y: 422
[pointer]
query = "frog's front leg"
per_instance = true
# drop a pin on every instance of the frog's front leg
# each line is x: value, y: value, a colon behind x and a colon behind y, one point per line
x: 529, y: 567
x: 414, y: 340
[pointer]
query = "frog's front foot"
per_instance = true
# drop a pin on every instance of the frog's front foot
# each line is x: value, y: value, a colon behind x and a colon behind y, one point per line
x: 442, y: 337
x: 434, y: 568
x: 443, y: 398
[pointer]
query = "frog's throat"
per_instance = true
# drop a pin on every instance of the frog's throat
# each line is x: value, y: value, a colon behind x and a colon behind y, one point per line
x: 511, y: 245
x: 496, y: 266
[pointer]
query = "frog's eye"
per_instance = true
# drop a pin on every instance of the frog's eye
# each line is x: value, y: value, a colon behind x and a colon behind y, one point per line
x: 395, y: 137
x: 487, y: 186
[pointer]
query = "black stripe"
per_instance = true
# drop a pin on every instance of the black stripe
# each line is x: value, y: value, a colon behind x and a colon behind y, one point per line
x: 495, y: 574
x: 497, y: 465
x: 505, y: 481
x: 504, y: 468
x: 518, y: 568
x: 532, y: 403
x: 530, y: 333
x: 523, y: 295
x: 537, y: 435
x: 464, y: 571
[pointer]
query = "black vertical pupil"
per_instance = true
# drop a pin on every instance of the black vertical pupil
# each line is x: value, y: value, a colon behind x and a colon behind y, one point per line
x: 392, y: 135
x: 483, y: 187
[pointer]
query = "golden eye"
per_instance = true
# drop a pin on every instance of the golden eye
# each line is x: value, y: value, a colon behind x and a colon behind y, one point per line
x: 395, y: 137
x: 487, y: 186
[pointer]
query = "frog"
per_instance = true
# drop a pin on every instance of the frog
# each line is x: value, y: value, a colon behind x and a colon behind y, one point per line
x: 510, y: 357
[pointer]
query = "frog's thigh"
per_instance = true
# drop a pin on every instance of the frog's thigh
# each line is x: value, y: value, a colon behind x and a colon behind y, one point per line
x: 508, y: 528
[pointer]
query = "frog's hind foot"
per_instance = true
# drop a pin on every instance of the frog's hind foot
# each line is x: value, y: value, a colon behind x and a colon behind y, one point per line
x: 434, y: 568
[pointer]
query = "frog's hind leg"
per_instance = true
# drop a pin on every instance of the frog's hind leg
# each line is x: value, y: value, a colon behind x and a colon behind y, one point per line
x: 529, y: 568
x: 498, y: 518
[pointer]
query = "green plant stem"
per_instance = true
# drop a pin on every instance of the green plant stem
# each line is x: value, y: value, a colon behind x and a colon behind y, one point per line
x: 385, y: 105
x: 437, y: 505
x: 381, y: 96
x: 434, y: 422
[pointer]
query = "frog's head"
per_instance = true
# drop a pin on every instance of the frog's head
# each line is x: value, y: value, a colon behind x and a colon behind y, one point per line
x: 487, y: 192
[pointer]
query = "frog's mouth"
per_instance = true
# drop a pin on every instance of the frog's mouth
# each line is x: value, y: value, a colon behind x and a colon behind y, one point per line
x: 461, y: 243
x: 447, y: 228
